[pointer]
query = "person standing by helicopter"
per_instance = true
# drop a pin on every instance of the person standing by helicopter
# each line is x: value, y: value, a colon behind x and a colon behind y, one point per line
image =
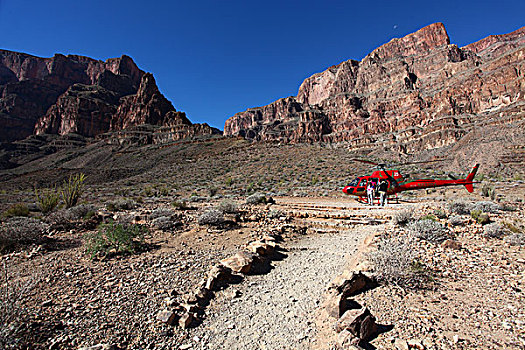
x: 383, y: 189
x: 370, y: 191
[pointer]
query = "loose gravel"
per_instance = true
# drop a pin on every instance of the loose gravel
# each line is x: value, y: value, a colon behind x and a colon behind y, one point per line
x: 276, y: 310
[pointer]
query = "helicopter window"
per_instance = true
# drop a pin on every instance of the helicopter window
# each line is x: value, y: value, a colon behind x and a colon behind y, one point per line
x: 354, y: 182
x: 362, y: 183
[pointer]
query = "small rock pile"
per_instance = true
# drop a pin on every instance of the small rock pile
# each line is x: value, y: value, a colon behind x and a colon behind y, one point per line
x: 353, y: 322
x: 232, y: 269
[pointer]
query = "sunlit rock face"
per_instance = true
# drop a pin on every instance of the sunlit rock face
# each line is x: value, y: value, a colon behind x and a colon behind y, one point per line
x: 418, y: 90
x: 81, y: 95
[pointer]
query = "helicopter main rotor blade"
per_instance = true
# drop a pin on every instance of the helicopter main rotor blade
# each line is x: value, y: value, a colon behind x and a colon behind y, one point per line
x: 424, y: 161
x: 364, y: 161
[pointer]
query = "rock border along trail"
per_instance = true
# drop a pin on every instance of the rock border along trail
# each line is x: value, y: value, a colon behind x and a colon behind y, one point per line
x: 277, y: 310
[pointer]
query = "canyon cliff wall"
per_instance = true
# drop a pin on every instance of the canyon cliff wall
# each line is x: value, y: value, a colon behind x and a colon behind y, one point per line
x: 76, y: 94
x: 416, y: 92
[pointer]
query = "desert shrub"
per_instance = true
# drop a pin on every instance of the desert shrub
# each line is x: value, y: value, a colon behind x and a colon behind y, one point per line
x: 180, y: 204
x: 429, y: 217
x: 460, y: 207
x: 488, y: 191
x: 507, y: 207
x: 21, y: 230
x: 211, y: 217
x: 73, y: 189
x: 429, y: 230
x: 516, y: 239
x: 493, y: 230
x: 440, y: 213
x: 66, y: 216
x: 165, y: 222
x: 148, y: 191
x: 486, y: 207
x: 197, y: 199
x: 14, y: 290
x: 160, y: 212
x: 47, y: 199
x: 82, y: 211
x: 275, y: 214
x: 228, y: 206
x: 164, y: 191
x: 403, y: 217
x: 394, y: 263
x: 480, y: 217
x: 121, y: 204
x: 212, y: 191
x: 115, y: 238
x: 456, y: 220
x: 229, y: 182
x: 258, y: 198
x: 511, y: 227
x: 18, y: 209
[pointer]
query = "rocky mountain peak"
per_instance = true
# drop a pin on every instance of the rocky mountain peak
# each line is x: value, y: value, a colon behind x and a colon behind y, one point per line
x: 412, y: 93
x: 77, y: 94
x: 420, y: 42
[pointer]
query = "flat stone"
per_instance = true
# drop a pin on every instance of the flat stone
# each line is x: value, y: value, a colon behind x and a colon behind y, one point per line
x: 240, y: 262
x: 167, y: 316
x: 260, y: 248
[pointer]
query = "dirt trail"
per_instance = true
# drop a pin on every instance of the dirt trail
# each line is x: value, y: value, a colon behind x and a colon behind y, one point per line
x: 276, y: 310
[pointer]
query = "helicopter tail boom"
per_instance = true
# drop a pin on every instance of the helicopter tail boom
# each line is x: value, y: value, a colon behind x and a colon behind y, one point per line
x: 470, y: 177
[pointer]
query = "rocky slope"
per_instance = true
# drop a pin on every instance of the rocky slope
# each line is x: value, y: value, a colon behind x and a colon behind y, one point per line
x: 76, y: 94
x: 413, y: 93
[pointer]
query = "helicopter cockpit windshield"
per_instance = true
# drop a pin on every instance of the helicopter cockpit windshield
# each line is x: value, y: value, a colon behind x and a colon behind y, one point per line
x: 354, y: 182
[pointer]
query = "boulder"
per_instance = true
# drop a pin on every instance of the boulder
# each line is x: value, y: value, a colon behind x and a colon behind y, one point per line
x: 346, y: 340
x: 353, y: 284
x: 186, y: 320
x: 167, y: 316
x: 241, y: 262
x: 260, y: 248
x: 359, y: 322
x: 218, y: 277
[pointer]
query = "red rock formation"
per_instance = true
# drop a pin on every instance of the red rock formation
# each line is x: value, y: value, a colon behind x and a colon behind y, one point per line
x: 412, y: 93
x: 77, y: 94
x: 147, y: 106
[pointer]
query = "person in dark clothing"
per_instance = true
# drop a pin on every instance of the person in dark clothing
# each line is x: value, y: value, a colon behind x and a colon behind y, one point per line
x: 383, y: 189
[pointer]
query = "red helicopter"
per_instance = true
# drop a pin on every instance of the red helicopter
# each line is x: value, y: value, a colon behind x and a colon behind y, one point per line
x: 396, y: 182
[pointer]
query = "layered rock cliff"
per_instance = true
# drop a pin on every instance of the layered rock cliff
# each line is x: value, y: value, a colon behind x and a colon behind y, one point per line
x: 76, y: 94
x: 415, y: 92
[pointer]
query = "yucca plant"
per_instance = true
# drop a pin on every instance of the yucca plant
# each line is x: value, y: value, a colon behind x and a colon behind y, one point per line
x: 47, y: 199
x: 73, y: 189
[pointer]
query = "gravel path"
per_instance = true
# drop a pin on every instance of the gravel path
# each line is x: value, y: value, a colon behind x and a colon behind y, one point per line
x: 276, y: 310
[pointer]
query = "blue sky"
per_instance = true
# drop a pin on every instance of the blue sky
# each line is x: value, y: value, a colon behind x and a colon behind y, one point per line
x: 213, y: 59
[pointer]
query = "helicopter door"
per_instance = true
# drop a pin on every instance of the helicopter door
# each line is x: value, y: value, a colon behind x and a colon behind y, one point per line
x: 362, y: 185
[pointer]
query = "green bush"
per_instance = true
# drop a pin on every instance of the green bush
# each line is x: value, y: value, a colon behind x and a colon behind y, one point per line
x: 73, y: 189
x: 116, y: 238
x: 480, y: 217
x: 440, y: 213
x: 429, y: 217
x: 47, y: 199
x: 18, y: 209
